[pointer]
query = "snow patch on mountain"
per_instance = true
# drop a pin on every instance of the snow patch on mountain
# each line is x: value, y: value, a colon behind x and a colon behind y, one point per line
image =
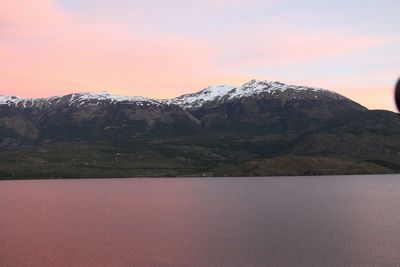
x: 10, y: 100
x: 83, y: 98
x: 14, y: 101
x: 255, y: 87
x: 212, y: 93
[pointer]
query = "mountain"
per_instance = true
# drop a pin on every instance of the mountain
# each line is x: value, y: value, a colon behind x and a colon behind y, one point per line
x: 89, y: 116
x: 266, y: 107
x: 210, y: 132
x: 275, y: 90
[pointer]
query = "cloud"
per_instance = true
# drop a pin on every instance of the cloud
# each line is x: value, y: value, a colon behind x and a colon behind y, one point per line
x: 283, y: 45
x: 28, y: 18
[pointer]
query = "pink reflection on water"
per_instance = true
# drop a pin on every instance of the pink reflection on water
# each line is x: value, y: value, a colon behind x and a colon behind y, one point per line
x: 53, y: 223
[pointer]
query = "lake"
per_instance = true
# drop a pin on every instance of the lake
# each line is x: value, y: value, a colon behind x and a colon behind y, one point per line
x: 272, y: 221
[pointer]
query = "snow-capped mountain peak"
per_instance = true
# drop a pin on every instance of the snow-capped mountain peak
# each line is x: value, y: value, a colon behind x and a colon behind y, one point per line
x: 252, y: 88
x: 259, y: 86
x: 212, y: 93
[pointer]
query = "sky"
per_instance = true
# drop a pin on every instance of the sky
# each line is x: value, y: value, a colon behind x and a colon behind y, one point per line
x: 163, y: 49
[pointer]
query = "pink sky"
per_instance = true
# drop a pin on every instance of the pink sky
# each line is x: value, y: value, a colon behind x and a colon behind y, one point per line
x: 49, y: 49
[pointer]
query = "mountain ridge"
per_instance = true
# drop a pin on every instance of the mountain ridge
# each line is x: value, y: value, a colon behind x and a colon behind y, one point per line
x: 220, y: 130
x: 187, y: 101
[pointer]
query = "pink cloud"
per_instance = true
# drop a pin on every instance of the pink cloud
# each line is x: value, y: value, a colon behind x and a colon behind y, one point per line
x: 283, y: 45
x: 28, y: 18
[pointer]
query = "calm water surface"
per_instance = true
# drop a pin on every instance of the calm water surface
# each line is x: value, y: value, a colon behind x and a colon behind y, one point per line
x: 293, y: 221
